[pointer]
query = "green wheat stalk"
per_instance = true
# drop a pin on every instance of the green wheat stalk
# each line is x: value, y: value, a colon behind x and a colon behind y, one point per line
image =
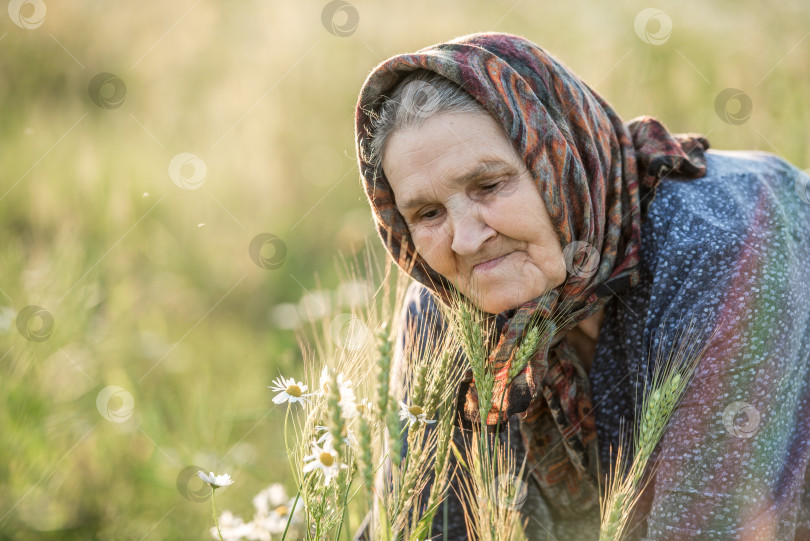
x: 671, y: 376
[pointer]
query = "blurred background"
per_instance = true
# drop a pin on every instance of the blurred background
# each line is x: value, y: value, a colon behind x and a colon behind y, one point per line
x: 179, y: 183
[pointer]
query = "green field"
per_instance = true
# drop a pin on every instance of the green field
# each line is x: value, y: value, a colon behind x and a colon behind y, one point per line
x: 153, y: 288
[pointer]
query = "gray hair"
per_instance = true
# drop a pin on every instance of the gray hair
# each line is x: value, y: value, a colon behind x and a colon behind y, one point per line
x: 419, y: 96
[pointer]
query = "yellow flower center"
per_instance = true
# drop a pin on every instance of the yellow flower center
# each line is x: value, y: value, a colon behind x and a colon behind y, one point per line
x: 281, y: 509
x: 415, y: 411
x: 326, y: 459
x: 361, y: 408
x: 294, y: 390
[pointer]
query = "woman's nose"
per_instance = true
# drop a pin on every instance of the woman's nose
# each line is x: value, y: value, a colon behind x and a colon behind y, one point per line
x: 469, y: 231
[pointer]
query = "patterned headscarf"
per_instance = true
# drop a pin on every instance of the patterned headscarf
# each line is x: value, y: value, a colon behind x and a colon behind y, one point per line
x: 597, y: 176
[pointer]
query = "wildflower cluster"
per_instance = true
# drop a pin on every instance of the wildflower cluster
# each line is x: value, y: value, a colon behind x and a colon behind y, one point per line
x: 272, y: 513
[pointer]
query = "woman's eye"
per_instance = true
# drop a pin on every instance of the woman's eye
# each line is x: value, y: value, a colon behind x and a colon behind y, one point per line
x: 428, y: 215
x: 490, y: 187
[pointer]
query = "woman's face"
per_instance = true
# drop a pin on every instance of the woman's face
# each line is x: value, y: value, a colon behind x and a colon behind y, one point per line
x: 468, y: 198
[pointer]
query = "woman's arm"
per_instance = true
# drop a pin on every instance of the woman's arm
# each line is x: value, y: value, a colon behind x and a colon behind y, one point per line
x: 732, y: 462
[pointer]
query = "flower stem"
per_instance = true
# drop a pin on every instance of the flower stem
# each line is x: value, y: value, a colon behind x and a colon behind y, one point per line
x: 214, y: 513
x: 289, y: 518
x: 286, y: 445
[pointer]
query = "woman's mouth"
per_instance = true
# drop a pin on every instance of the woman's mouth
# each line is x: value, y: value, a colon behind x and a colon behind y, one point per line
x: 491, y: 264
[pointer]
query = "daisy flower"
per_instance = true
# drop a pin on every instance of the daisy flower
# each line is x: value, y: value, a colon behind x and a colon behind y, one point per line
x: 272, y: 496
x: 289, y: 390
x: 275, y: 521
x: 414, y: 414
x: 216, y: 481
x: 323, y: 458
x: 233, y: 527
x: 364, y: 406
x: 327, y: 436
x: 348, y: 406
x: 323, y: 384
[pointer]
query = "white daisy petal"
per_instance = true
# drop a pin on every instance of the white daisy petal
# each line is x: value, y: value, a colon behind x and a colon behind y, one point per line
x: 216, y: 481
x: 223, y: 480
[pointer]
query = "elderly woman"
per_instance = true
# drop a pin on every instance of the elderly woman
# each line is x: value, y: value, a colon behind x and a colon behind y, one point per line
x: 487, y: 161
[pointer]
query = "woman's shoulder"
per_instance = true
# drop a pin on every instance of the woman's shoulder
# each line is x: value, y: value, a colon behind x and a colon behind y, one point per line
x: 418, y: 302
x: 741, y: 162
x: 740, y: 188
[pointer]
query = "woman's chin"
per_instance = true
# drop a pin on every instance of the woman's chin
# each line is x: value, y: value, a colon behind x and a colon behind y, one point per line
x: 505, y: 299
x: 496, y: 305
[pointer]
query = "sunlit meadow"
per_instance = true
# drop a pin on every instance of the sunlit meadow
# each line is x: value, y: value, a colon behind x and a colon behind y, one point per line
x: 179, y: 194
